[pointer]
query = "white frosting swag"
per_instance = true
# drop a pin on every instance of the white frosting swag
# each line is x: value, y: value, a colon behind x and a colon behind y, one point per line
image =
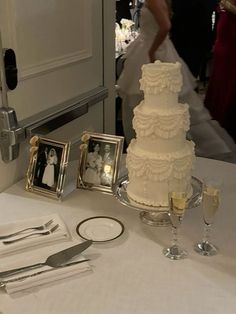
x: 159, y: 76
x: 166, y: 124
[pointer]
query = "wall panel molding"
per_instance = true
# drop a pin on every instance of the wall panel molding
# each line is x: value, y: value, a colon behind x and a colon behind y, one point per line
x: 54, y: 64
x: 20, y: 36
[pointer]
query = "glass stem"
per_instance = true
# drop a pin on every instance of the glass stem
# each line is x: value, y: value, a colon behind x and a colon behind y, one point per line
x: 207, y: 233
x: 175, y: 236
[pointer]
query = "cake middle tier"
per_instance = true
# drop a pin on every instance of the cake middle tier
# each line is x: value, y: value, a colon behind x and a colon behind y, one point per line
x: 162, y: 130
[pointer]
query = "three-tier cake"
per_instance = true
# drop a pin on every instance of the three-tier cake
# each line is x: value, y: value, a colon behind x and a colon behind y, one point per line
x: 160, y: 159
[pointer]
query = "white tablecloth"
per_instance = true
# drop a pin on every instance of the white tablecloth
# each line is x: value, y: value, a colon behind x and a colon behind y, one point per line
x: 131, y: 275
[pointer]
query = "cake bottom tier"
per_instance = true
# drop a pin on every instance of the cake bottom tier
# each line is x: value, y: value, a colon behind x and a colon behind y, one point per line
x: 153, y: 176
x: 154, y: 193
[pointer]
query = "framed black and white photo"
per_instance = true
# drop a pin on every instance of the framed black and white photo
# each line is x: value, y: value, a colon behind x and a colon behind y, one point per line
x: 99, y: 161
x: 47, y: 166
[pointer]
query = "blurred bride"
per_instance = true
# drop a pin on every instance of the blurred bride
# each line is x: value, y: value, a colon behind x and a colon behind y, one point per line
x: 152, y: 44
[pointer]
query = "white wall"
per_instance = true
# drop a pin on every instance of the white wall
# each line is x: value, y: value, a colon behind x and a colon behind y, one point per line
x: 14, y: 170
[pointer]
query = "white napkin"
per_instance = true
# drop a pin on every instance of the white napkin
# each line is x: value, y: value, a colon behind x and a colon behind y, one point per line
x: 58, y: 235
x: 36, y: 256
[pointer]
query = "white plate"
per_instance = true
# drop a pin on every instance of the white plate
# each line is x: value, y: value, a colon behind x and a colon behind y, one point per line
x: 100, y: 229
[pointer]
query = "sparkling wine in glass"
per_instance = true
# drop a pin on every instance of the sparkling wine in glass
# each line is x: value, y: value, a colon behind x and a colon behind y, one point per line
x: 210, y: 205
x: 178, y: 204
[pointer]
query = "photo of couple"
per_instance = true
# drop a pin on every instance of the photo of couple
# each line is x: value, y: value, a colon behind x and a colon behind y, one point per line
x: 99, y: 165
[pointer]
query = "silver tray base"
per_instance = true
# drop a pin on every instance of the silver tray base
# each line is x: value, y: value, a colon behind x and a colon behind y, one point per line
x: 151, y: 215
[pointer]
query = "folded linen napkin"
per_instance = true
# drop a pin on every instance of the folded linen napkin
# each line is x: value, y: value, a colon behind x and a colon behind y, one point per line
x: 41, y: 275
x: 60, y: 234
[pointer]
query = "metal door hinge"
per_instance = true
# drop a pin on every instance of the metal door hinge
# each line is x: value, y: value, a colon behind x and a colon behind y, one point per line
x: 11, y: 134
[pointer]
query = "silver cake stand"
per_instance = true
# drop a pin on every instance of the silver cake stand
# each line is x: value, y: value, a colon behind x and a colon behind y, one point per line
x: 151, y: 215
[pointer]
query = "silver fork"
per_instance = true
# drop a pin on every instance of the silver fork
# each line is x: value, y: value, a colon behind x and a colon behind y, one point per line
x: 42, y: 233
x: 42, y: 227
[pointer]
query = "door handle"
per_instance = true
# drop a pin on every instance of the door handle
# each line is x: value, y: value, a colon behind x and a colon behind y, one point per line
x: 9, y: 60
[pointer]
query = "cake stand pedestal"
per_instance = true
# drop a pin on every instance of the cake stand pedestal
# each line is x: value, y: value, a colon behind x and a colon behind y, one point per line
x: 161, y: 219
x: 151, y: 215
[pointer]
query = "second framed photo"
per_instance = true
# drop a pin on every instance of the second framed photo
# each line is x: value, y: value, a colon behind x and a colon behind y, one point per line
x: 99, y: 161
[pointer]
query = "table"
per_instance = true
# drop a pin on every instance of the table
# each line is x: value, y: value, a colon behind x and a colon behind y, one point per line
x: 130, y: 274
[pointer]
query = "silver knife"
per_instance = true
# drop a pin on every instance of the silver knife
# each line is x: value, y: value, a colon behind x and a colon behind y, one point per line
x: 54, y: 260
x: 3, y: 283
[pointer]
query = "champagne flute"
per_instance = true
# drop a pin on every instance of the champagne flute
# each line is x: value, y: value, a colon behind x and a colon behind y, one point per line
x: 210, y: 205
x: 178, y: 204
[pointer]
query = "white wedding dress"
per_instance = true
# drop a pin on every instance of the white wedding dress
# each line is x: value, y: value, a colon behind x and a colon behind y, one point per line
x: 49, y: 172
x: 202, y: 131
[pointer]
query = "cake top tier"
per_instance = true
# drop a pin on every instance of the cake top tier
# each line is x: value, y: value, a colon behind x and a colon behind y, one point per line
x: 160, y: 77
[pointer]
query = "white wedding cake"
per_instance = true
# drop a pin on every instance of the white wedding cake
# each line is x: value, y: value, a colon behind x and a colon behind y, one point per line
x: 160, y: 159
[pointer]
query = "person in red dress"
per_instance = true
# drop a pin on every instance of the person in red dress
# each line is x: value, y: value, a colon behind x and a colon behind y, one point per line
x: 221, y: 94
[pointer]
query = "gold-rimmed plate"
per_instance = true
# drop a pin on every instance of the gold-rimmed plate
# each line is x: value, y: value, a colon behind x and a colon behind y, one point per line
x: 100, y: 228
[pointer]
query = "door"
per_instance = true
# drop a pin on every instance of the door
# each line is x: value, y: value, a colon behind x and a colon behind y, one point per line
x: 58, y: 46
x: 59, y: 52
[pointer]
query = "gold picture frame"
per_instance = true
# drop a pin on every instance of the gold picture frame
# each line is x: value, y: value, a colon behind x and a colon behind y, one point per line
x: 47, y: 167
x: 99, y: 161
